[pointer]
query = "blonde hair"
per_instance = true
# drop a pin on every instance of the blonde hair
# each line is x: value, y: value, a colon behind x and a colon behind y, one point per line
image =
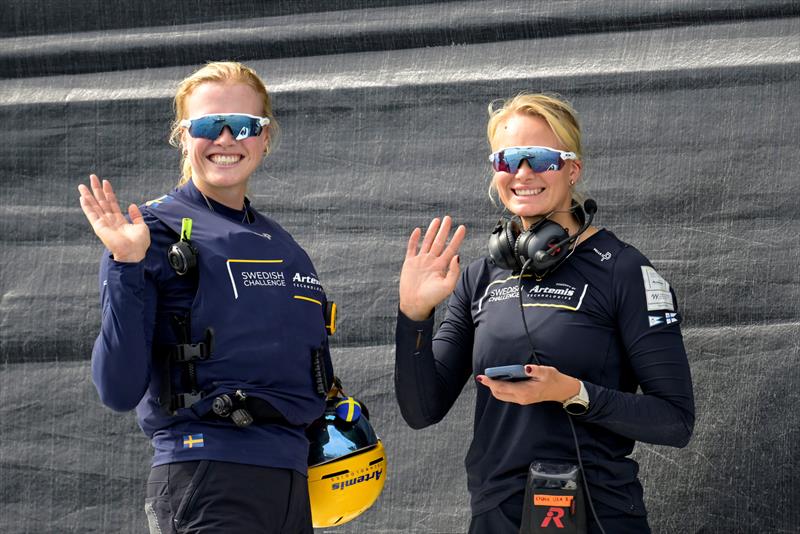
x: 218, y: 72
x: 556, y: 112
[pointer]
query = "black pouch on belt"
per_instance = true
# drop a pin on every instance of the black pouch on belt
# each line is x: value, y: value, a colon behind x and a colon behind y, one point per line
x: 554, y: 500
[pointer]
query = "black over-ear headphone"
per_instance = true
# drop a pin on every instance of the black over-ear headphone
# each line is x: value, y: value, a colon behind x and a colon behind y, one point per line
x: 545, y: 244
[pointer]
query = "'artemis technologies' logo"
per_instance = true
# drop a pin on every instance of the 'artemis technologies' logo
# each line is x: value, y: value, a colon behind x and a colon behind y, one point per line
x: 375, y: 475
x: 306, y: 281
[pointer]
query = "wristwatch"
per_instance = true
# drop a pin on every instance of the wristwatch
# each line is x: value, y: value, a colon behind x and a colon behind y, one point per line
x: 579, y: 404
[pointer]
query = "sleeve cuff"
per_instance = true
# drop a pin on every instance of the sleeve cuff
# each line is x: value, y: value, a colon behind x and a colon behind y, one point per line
x: 594, y: 392
x: 404, y: 322
x: 125, y: 276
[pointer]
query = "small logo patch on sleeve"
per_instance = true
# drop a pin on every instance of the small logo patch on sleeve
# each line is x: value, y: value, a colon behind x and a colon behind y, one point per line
x: 666, y: 318
x: 191, y: 441
x: 656, y: 290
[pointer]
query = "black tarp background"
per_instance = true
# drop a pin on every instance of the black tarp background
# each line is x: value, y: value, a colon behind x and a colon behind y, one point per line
x: 690, y: 113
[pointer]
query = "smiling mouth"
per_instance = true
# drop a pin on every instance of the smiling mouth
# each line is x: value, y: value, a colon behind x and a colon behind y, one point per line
x: 527, y: 192
x: 225, y: 159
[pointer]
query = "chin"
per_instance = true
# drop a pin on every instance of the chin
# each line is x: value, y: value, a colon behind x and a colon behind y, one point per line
x: 526, y: 211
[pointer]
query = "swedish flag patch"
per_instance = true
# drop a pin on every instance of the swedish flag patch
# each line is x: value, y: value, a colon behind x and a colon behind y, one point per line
x: 190, y: 441
x: 348, y: 410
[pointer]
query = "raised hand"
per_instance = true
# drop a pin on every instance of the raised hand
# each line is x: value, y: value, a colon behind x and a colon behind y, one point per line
x: 127, y: 241
x: 429, y: 274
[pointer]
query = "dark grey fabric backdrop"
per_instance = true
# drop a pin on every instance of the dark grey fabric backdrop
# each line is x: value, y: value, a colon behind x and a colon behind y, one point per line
x: 690, y: 111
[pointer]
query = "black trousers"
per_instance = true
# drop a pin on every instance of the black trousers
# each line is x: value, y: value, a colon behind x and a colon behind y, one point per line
x: 506, y: 519
x: 202, y: 497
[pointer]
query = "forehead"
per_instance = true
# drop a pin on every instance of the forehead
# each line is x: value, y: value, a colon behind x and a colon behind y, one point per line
x: 524, y: 130
x: 220, y: 97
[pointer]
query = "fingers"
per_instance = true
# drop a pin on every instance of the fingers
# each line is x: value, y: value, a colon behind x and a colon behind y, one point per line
x: 495, y: 386
x: 135, y: 214
x: 455, y: 243
x: 521, y: 392
x: 413, y: 241
x: 531, y: 371
x: 113, y: 204
x: 430, y: 234
x: 104, y: 195
x: 97, y: 189
x: 436, y: 238
x: 88, y: 205
x: 502, y: 390
x: 100, y: 204
x: 453, y: 272
x: 441, y: 236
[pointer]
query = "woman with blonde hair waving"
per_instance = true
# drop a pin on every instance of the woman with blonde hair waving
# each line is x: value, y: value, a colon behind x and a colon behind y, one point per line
x: 204, y: 333
x: 559, y: 325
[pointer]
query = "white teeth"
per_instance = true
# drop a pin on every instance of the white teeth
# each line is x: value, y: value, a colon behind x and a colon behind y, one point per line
x: 527, y: 192
x: 225, y: 159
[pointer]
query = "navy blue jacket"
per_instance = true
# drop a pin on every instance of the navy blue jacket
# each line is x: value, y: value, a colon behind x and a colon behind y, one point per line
x: 257, y: 289
x: 605, y: 317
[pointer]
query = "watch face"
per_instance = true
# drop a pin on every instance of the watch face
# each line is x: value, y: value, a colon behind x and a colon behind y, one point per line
x: 576, y: 408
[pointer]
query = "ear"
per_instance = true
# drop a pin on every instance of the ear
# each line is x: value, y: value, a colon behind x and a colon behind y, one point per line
x: 575, y: 168
x: 265, y: 135
x: 184, y: 146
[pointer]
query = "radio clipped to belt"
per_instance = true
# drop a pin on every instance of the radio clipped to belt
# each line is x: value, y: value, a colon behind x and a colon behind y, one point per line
x: 554, y: 500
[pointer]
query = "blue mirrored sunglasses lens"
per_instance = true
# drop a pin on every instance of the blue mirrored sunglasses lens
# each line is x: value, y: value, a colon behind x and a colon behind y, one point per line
x: 211, y: 127
x: 540, y: 160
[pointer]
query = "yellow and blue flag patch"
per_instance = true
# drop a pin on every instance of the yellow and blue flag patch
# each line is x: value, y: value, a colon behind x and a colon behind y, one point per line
x: 348, y: 410
x: 190, y: 441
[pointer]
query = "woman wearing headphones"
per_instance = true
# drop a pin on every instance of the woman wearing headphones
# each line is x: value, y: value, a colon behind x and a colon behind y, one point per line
x: 204, y: 332
x: 587, y: 323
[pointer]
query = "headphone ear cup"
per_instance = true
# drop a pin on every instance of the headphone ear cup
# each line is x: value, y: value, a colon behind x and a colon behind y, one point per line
x: 545, y: 235
x: 502, y: 244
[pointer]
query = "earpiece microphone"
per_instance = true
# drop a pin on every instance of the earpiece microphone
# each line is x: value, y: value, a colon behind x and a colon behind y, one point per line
x: 589, y: 208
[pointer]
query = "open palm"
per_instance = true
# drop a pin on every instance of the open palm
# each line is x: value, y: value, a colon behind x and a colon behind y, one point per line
x: 127, y: 241
x: 429, y: 274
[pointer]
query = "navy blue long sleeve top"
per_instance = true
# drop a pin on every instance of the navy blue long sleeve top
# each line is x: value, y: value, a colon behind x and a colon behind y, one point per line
x: 605, y: 317
x: 139, y: 302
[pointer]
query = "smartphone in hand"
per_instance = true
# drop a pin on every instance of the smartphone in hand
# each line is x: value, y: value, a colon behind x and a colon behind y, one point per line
x: 510, y: 373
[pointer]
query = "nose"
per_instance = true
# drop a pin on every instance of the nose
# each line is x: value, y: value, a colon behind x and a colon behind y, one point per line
x: 525, y: 169
x: 225, y: 137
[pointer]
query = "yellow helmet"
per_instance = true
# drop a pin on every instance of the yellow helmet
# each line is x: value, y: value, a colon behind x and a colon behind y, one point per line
x: 346, y: 463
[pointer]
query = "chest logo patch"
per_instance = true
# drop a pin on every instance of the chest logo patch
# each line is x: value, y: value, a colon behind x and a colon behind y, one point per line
x: 306, y: 281
x: 541, y: 294
x: 254, y: 273
x: 557, y: 295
